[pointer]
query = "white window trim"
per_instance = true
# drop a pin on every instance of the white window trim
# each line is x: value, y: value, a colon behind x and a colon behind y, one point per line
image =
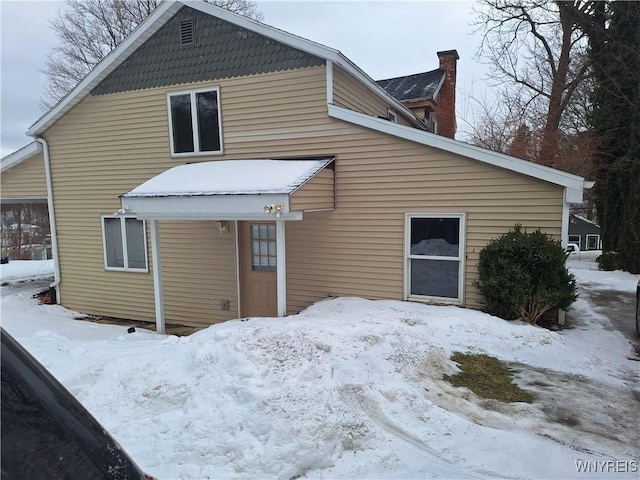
x: 392, y: 116
x: 194, y: 122
x: 579, y: 242
x: 460, y: 258
x: 125, y: 253
x: 592, y: 235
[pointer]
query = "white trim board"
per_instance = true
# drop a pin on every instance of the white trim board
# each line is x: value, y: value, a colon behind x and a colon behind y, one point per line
x: 572, y: 183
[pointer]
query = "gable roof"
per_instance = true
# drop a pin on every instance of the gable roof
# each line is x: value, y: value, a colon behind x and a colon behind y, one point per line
x: 585, y: 220
x: 419, y: 86
x: 161, y: 15
x: 19, y: 156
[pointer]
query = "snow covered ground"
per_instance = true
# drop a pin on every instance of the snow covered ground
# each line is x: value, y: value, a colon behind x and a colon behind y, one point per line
x: 349, y: 388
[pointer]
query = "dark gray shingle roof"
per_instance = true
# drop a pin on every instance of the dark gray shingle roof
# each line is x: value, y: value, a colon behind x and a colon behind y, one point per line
x: 419, y: 86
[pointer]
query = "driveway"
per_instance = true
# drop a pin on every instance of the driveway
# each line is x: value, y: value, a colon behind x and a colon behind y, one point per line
x: 619, y: 306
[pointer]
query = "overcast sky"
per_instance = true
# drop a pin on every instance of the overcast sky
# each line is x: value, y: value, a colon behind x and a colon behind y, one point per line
x: 385, y: 39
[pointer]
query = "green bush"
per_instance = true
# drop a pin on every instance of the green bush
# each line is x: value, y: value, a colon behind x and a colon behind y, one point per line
x: 523, y: 275
x: 610, y: 261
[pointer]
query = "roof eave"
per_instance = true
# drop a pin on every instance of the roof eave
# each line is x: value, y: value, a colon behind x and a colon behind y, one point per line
x: 165, y: 11
x: 20, y: 156
x: 573, y: 183
x: 115, y: 58
x: 308, y: 46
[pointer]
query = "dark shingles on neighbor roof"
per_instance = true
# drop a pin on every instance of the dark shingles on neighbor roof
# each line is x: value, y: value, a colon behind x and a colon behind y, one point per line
x: 419, y: 86
x: 220, y: 50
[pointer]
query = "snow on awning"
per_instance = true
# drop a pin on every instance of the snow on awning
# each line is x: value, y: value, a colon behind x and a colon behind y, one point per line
x: 222, y: 190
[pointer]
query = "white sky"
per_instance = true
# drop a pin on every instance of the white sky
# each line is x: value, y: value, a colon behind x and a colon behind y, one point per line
x: 385, y: 39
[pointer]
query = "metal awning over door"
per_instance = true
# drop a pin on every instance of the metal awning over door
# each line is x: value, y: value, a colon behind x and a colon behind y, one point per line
x: 227, y: 190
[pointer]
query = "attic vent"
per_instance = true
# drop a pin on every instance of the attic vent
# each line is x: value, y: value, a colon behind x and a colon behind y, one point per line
x: 186, y: 33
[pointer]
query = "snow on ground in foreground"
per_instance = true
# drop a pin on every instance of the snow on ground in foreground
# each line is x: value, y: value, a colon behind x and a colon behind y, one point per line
x: 17, y: 270
x: 349, y: 388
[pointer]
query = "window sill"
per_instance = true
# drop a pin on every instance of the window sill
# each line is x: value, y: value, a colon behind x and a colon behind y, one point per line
x: 435, y: 300
x: 128, y: 270
x: 198, y: 154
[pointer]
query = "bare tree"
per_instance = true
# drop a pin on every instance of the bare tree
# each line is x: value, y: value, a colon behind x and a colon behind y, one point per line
x: 537, y: 55
x: 88, y: 30
x: 24, y: 228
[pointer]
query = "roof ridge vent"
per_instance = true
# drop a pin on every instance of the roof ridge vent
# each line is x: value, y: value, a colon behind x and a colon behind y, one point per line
x: 186, y: 33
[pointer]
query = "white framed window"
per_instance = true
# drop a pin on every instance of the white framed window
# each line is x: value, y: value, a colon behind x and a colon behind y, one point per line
x: 195, y: 122
x: 391, y: 115
x: 435, y: 251
x: 593, y: 242
x: 576, y: 239
x: 124, y: 241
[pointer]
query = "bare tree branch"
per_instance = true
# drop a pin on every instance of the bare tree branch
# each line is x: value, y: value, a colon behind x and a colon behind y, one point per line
x: 88, y: 30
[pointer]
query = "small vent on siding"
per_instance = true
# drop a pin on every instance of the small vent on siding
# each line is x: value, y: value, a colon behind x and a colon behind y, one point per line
x: 186, y: 33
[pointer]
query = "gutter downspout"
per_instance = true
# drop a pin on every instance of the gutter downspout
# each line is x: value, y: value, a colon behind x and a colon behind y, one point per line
x: 564, y: 239
x: 52, y: 218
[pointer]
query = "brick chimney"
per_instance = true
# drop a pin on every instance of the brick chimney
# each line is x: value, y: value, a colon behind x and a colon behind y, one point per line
x: 446, y: 100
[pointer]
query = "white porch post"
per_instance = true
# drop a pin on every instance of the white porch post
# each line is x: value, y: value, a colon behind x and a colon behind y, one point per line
x: 281, y: 268
x: 157, y: 276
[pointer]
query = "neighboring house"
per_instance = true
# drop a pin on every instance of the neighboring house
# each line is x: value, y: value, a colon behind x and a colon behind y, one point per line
x: 584, y: 233
x: 26, y: 184
x: 431, y: 96
x: 213, y: 167
x: 23, y: 188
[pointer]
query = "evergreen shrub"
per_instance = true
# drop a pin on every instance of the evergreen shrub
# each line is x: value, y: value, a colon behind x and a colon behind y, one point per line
x: 523, y: 275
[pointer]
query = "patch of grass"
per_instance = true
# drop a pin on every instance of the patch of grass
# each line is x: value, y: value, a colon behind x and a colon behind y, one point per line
x: 487, y: 377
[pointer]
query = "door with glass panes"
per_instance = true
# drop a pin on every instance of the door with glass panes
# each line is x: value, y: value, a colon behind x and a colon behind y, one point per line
x: 258, y: 278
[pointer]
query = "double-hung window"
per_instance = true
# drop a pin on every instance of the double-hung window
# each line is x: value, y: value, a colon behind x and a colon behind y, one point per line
x: 435, y: 256
x: 125, y: 244
x: 195, y: 122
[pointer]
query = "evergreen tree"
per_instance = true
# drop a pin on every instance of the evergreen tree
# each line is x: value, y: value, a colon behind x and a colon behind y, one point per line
x: 614, y: 38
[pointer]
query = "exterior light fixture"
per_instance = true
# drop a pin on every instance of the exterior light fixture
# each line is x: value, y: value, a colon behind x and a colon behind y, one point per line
x: 275, y: 210
x: 122, y: 211
x: 223, y: 226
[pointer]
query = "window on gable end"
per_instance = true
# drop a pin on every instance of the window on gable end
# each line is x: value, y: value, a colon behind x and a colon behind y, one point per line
x: 195, y: 122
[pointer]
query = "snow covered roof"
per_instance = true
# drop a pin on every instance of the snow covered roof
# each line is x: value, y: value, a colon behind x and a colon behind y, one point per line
x: 230, y: 177
x: 224, y: 189
x: 586, y: 220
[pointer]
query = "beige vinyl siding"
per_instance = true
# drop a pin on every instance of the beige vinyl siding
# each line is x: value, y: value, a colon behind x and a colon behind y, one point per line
x: 358, y: 249
x: 351, y: 94
x: 199, y: 271
x: 25, y: 180
x: 317, y: 194
x: 108, y: 145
